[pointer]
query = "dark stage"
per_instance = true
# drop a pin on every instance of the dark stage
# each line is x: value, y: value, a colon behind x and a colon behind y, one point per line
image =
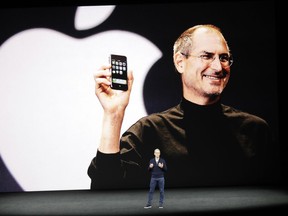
x: 192, y: 201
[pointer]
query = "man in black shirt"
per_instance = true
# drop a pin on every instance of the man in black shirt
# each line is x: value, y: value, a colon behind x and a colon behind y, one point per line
x: 204, y: 141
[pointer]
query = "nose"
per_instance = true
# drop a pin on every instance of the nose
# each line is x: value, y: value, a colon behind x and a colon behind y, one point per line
x: 216, y: 64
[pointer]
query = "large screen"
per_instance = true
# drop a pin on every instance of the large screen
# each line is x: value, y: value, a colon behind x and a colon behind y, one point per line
x: 50, y: 118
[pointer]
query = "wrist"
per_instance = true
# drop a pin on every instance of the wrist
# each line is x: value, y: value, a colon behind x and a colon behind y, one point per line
x: 111, y: 127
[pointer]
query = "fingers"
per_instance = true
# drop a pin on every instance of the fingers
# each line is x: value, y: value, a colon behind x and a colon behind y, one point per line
x: 102, y: 77
x: 130, y: 79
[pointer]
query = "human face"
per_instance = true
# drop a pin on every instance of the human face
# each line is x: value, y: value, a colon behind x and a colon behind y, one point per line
x: 157, y: 153
x: 203, y: 81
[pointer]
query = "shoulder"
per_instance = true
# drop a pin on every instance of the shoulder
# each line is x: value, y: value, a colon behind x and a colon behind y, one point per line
x: 169, y: 115
x: 242, y: 118
x: 173, y: 112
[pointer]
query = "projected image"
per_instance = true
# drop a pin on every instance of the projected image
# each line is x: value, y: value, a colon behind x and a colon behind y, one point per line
x: 51, y: 119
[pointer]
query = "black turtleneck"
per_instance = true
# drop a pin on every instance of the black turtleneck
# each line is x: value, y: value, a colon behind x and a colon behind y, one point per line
x: 202, y: 145
x: 212, y: 145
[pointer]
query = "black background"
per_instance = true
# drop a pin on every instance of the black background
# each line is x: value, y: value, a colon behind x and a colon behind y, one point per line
x: 250, y: 27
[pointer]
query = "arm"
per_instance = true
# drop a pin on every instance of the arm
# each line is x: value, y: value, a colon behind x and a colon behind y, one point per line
x: 105, y: 169
x: 163, y: 165
x: 151, y: 165
x: 114, y: 103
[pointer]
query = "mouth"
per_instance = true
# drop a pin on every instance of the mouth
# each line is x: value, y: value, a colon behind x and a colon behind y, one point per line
x: 214, y: 77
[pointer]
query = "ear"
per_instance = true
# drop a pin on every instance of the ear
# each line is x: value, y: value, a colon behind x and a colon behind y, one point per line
x: 179, y: 62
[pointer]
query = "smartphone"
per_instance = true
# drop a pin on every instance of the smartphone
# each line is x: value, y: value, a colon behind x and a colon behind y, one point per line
x: 118, y: 69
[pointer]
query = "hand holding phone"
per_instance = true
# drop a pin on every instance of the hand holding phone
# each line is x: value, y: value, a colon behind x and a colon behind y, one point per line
x: 119, y: 69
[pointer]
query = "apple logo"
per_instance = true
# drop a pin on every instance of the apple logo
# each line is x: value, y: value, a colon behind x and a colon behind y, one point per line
x: 50, y: 117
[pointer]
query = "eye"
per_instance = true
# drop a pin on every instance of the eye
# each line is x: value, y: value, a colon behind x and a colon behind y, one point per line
x: 224, y: 58
x: 207, y: 56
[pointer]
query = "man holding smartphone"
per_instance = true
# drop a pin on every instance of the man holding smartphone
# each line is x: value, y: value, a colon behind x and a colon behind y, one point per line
x: 205, y: 142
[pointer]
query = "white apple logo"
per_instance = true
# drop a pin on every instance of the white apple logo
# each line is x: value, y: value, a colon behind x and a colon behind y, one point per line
x: 50, y: 118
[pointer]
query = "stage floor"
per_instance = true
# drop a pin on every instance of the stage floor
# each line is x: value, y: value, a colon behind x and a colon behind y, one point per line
x: 192, y: 201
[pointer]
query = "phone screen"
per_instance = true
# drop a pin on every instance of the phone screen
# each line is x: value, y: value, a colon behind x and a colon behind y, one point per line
x: 119, y: 72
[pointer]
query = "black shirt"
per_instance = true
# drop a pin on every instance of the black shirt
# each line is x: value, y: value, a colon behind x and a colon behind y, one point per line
x: 203, y: 145
x: 156, y: 171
